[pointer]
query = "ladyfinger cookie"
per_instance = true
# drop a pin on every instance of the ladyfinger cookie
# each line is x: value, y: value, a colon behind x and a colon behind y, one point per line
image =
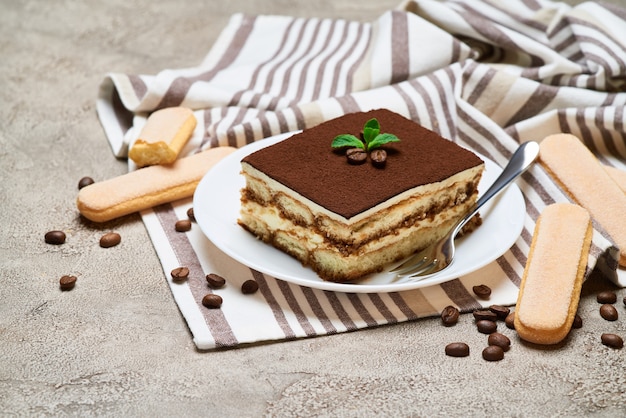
x: 584, y: 179
x: 163, y: 136
x: 147, y: 187
x: 553, y: 275
x: 618, y: 176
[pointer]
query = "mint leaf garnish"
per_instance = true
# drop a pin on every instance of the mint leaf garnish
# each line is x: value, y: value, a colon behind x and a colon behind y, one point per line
x: 381, y: 139
x: 371, y: 129
x: 347, y: 140
x: 372, y: 137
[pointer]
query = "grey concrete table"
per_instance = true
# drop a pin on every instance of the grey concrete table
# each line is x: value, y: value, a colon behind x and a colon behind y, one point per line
x: 118, y: 346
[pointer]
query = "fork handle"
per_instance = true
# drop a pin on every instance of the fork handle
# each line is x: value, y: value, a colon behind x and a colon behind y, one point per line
x: 522, y: 158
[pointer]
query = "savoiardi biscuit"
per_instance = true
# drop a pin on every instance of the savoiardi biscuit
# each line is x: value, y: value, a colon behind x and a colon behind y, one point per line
x: 553, y: 276
x: 588, y: 183
x: 163, y: 136
x: 618, y: 176
x: 147, y: 187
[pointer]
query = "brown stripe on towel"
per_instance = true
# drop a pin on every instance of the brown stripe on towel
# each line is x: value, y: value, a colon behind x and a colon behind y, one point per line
x: 318, y: 311
x: 413, y: 115
x: 355, y: 299
x: 378, y: 302
x: 303, y: 81
x: 340, y: 311
x: 214, y: 318
x: 419, y: 304
x: 541, y: 98
x: 139, y: 87
x: 235, y: 100
x: 362, y: 53
x: 341, y: 88
x: 123, y: 117
x: 406, y: 310
x: 306, y: 51
x: 180, y: 86
x: 400, y: 53
x: 303, y: 320
x: 279, y: 315
x: 459, y: 295
x: 509, y: 270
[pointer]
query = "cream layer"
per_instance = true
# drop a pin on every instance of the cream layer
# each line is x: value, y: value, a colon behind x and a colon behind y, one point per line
x: 342, y: 263
x: 418, y: 206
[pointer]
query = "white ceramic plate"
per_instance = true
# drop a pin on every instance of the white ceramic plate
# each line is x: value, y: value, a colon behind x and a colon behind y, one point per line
x: 216, y: 208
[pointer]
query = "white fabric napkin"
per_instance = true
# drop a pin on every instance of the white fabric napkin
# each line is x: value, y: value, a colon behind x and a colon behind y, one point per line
x: 485, y: 75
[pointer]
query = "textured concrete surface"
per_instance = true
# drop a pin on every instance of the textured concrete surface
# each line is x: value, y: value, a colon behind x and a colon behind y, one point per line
x: 117, y: 346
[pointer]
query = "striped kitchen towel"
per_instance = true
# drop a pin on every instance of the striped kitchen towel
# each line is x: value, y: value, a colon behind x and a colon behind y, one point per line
x: 487, y: 75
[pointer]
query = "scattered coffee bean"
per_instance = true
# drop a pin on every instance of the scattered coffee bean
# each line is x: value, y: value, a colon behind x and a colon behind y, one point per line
x: 215, y: 281
x: 249, y: 286
x: 608, y: 312
x: 457, y: 350
x: 486, y: 326
x: 55, y: 237
x: 85, y: 181
x: 378, y: 157
x: 624, y: 300
x: 482, y: 291
x: 191, y: 215
x: 183, y: 225
x: 480, y: 314
x: 493, y: 353
x: 212, y: 301
x: 501, y: 311
x: 110, y: 239
x: 67, y: 282
x: 612, y: 340
x: 450, y: 315
x: 606, y: 297
x: 180, y: 274
x: 510, y: 320
x: 578, y: 322
x: 356, y: 156
x: 500, y: 340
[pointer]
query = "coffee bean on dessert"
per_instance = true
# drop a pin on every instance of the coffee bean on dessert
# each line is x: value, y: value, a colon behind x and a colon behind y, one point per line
x: 356, y: 156
x: 85, y: 181
x: 457, y: 350
x: 249, y: 286
x: 578, y: 322
x: 180, y: 274
x: 608, y: 312
x: 450, y: 315
x: 183, y: 225
x: 482, y: 291
x: 485, y: 314
x: 67, y: 282
x: 378, y: 157
x: 486, y: 326
x: 212, y: 301
x: 215, y: 281
x: 493, y: 353
x: 510, y: 320
x: 55, y: 237
x: 191, y: 215
x: 612, y: 340
x: 500, y: 340
x: 110, y: 239
x: 606, y: 297
x: 501, y: 311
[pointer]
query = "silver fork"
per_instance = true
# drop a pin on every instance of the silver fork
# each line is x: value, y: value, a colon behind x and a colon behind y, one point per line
x: 439, y: 255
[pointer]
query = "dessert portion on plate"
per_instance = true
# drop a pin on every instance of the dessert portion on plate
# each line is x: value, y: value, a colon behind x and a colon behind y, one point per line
x: 346, y: 217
